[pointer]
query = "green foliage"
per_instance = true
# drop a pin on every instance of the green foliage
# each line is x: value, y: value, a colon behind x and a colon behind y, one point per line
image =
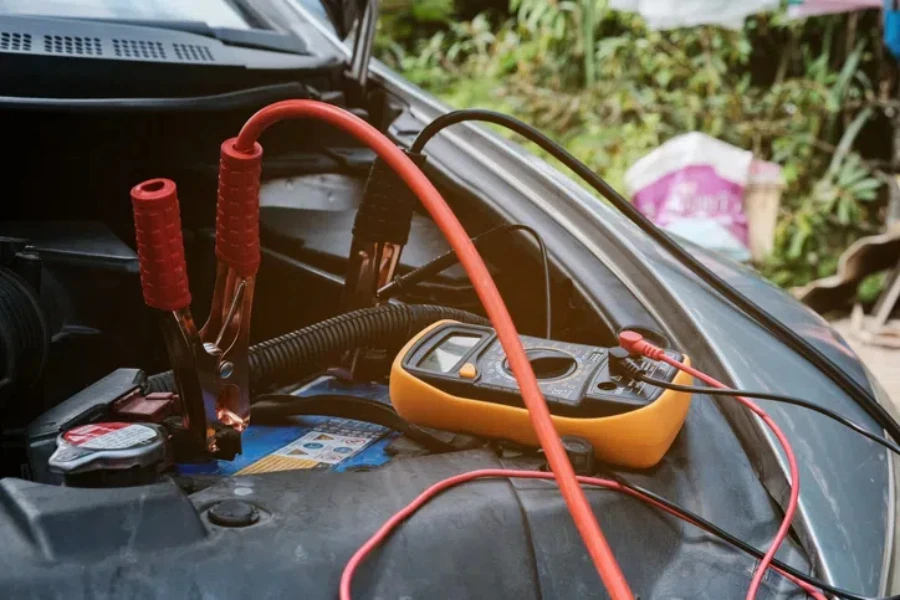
x: 409, y: 20
x: 611, y: 90
x: 871, y: 287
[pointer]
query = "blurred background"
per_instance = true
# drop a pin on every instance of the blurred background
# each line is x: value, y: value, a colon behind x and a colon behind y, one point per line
x: 804, y: 93
x: 814, y: 94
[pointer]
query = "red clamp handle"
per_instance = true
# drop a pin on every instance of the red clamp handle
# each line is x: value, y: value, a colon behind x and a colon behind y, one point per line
x: 160, y: 246
x: 237, y: 212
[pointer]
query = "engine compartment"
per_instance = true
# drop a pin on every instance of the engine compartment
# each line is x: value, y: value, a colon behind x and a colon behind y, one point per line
x: 298, y: 515
x: 102, y: 359
x: 84, y: 363
x: 76, y: 327
x: 74, y: 247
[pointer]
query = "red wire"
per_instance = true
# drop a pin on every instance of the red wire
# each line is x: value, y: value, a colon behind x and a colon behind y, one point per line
x: 582, y: 515
x: 378, y: 537
x: 635, y: 342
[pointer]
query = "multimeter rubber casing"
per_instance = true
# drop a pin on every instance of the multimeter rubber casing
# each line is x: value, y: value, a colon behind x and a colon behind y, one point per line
x: 455, y: 377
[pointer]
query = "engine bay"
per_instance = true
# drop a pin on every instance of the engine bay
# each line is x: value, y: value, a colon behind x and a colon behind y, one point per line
x: 74, y: 321
x: 110, y: 393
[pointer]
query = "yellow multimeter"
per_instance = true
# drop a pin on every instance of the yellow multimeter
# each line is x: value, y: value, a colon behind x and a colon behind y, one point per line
x: 455, y: 377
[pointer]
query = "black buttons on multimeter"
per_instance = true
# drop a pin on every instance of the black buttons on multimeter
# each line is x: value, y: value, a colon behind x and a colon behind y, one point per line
x: 468, y: 361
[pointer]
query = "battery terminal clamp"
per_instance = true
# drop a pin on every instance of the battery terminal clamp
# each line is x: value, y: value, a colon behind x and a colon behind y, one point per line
x: 456, y: 377
x: 211, y: 365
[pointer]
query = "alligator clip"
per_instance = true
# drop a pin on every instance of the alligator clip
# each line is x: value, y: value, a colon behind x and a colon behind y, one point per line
x: 211, y: 366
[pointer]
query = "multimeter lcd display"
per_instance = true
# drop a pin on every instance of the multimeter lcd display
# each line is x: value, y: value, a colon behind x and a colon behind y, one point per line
x: 445, y: 355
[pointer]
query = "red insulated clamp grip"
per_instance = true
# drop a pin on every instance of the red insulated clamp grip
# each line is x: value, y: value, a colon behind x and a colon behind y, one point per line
x: 160, y: 247
x: 237, y: 213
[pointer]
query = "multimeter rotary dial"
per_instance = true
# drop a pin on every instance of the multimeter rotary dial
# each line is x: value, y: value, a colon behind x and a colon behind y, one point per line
x: 548, y: 363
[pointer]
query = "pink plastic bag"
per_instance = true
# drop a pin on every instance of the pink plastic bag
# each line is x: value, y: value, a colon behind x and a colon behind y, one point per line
x: 693, y: 186
x: 809, y: 8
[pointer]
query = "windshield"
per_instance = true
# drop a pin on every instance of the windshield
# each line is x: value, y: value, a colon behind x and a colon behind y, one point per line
x: 215, y: 13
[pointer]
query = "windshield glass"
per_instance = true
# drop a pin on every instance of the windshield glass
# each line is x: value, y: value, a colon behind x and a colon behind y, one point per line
x: 215, y: 13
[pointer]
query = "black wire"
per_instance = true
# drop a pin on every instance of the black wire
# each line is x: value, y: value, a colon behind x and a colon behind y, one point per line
x: 776, y: 398
x: 548, y: 308
x: 860, y: 394
x: 737, y: 542
x: 449, y: 258
x: 278, y: 406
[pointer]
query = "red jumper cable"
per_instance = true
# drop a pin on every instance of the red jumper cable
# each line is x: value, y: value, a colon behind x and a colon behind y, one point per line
x: 245, y: 146
x: 636, y: 343
x: 360, y: 555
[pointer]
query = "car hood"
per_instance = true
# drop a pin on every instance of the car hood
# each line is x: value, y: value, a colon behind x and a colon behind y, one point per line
x: 343, y: 14
x: 843, y: 476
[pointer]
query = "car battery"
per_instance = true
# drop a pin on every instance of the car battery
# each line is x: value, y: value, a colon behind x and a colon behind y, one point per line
x: 310, y: 442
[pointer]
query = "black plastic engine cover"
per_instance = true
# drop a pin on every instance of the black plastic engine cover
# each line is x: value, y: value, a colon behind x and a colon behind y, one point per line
x: 317, y: 224
x: 485, y: 539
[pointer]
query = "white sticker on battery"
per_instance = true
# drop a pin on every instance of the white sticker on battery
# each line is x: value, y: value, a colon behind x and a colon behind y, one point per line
x: 109, y: 436
x: 325, y: 447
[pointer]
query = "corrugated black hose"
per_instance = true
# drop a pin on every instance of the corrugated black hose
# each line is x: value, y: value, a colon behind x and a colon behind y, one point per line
x: 292, y: 356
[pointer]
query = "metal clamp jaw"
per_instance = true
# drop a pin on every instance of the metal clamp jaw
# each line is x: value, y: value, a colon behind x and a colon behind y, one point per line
x: 211, y: 365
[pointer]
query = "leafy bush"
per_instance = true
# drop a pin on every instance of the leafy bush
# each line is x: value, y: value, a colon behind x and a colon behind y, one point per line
x: 600, y: 82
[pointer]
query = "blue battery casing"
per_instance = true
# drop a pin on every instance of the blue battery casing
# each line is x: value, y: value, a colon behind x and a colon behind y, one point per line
x: 273, y: 448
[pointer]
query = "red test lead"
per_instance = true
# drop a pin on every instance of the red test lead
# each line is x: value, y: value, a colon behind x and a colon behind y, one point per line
x: 635, y: 343
x: 360, y: 555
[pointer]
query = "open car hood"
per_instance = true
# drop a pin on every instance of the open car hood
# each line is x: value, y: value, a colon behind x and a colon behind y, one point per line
x: 343, y: 14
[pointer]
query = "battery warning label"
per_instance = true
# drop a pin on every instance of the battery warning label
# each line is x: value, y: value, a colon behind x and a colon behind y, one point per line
x: 109, y: 436
x: 323, y: 447
x: 317, y: 447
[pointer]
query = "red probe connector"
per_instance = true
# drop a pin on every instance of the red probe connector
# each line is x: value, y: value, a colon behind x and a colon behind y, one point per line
x: 636, y: 344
